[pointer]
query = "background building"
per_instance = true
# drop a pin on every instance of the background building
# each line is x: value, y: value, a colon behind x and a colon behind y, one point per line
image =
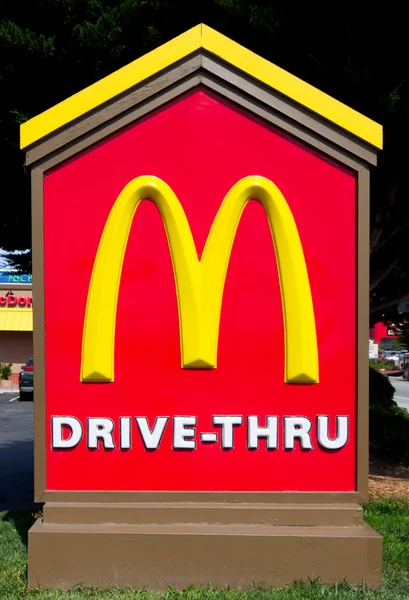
x: 384, y: 334
x: 16, y: 321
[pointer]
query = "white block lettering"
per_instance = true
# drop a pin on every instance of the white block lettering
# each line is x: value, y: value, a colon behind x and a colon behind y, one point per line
x: 181, y: 433
x: 255, y: 432
x: 58, y: 424
x: 208, y: 438
x: 262, y: 432
x: 227, y: 423
x: 125, y: 433
x: 100, y: 429
x: 297, y: 428
x: 151, y: 438
x: 341, y: 437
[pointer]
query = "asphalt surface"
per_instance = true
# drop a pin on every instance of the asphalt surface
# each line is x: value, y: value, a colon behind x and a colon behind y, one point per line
x: 401, y: 396
x: 16, y: 452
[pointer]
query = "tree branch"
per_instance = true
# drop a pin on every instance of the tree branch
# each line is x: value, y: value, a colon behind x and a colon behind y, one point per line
x: 379, y: 244
x: 380, y: 274
x: 382, y: 215
x: 390, y: 302
x: 376, y: 234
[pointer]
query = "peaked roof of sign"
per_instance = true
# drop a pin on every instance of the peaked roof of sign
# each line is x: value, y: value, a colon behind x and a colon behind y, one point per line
x: 200, y: 37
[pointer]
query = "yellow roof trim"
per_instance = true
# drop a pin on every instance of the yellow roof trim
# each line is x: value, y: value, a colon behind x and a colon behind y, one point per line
x: 198, y: 37
x: 107, y: 88
x: 16, y: 319
x: 293, y: 87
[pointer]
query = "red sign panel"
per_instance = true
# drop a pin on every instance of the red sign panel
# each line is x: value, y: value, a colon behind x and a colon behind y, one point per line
x: 243, y: 425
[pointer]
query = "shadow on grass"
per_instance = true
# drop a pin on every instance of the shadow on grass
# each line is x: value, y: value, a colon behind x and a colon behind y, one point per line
x: 21, y: 520
x: 16, y: 466
x: 17, y: 484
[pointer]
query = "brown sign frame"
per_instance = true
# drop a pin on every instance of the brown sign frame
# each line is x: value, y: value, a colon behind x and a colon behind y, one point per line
x: 201, y: 69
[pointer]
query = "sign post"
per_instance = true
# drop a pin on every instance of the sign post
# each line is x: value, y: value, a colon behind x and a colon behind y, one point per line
x: 192, y: 422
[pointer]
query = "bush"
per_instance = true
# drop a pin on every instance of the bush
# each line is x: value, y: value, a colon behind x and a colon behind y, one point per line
x: 389, y: 433
x: 5, y: 370
x: 378, y: 364
x: 388, y: 424
x: 381, y: 390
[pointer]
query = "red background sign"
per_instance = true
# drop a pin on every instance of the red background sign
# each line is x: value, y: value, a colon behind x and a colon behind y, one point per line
x: 16, y: 301
x: 201, y: 146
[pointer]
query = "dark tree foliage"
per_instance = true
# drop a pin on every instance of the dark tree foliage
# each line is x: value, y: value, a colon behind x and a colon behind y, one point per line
x: 50, y: 49
x: 404, y: 336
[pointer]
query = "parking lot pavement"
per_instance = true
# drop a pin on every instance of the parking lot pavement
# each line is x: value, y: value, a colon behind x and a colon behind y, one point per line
x: 401, y: 396
x: 16, y: 452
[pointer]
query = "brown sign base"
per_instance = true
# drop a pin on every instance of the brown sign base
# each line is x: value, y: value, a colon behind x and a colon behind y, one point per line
x: 154, y: 545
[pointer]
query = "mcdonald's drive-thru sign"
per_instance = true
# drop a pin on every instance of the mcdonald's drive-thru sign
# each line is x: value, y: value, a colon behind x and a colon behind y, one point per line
x: 212, y: 210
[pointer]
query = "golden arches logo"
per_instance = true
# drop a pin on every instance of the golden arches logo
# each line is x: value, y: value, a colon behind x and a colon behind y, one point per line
x: 200, y: 283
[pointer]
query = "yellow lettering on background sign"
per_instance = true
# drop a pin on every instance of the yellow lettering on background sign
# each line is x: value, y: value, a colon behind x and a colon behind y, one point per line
x: 200, y: 283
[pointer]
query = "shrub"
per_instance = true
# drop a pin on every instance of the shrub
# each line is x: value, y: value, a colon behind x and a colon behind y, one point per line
x: 389, y: 433
x: 388, y: 424
x: 381, y: 390
x: 377, y: 364
x: 5, y: 370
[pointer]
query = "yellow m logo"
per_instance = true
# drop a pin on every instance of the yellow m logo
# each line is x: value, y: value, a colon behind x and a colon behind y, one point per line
x: 200, y: 283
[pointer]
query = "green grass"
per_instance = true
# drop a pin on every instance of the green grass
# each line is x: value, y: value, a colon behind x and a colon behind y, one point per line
x: 389, y: 517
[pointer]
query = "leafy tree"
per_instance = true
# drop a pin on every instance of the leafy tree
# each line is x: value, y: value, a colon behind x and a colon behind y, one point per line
x: 12, y: 259
x: 50, y: 49
x: 404, y: 336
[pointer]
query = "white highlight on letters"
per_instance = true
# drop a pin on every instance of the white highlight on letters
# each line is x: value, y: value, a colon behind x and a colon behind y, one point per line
x: 227, y: 423
x: 125, y: 429
x: 151, y: 438
x: 297, y: 428
x: 341, y: 437
x: 269, y: 432
x: 182, y: 433
x: 100, y: 429
x: 57, y: 429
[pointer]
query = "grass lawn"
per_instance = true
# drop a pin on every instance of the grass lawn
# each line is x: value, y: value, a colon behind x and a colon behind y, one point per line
x: 390, y: 517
